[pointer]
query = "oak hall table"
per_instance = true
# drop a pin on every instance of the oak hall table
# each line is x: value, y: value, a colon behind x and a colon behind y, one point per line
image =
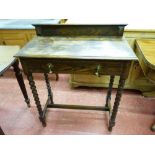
x: 6, y: 61
x: 78, y: 49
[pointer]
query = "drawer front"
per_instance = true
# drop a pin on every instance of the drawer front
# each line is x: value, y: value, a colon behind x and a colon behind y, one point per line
x: 72, y: 66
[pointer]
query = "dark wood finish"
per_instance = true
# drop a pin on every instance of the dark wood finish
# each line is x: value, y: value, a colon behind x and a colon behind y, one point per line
x: 116, y: 103
x: 77, y: 107
x: 41, y: 65
x: 50, y: 94
x: 78, y: 49
x: 80, y: 107
x: 108, y: 98
x: 117, y: 99
x: 36, y: 97
x: 48, y: 102
x: 79, y: 30
x: 20, y: 80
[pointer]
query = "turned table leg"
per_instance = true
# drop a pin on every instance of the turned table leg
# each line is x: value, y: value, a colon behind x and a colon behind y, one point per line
x: 108, y: 98
x: 36, y: 97
x: 50, y: 94
x: 116, y: 103
x: 20, y: 80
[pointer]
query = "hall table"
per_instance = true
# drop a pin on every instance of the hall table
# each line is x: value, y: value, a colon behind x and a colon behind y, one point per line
x: 78, y: 49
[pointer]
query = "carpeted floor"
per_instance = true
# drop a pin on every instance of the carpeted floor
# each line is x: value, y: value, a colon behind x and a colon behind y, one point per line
x: 136, y: 113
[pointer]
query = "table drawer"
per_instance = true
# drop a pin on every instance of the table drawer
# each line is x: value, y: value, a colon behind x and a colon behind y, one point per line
x: 72, y: 66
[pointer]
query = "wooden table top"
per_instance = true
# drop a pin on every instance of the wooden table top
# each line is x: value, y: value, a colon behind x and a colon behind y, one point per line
x: 6, y: 56
x: 86, y: 47
x: 147, y: 48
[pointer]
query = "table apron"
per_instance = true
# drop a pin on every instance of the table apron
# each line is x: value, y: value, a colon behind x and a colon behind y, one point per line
x: 91, y: 67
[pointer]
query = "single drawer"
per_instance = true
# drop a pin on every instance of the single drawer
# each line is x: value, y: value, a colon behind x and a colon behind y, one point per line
x: 92, y: 67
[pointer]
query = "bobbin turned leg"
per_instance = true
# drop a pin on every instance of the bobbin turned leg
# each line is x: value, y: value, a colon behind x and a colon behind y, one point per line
x: 50, y: 94
x: 36, y: 98
x: 116, y: 103
x: 20, y: 80
x: 108, y: 98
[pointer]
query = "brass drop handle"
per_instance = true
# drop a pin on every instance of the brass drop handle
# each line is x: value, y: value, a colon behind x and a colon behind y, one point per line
x: 50, y: 68
x: 97, y: 73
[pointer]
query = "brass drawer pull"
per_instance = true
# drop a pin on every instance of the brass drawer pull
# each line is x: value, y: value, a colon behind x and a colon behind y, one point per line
x: 97, y: 73
x: 50, y: 67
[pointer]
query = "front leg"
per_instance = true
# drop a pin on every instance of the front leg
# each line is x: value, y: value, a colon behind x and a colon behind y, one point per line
x: 36, y: 98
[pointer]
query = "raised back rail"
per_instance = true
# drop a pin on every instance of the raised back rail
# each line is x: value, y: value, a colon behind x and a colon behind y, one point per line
x: 79, y: 30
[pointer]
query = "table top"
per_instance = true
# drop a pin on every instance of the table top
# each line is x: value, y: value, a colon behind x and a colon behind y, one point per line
x: 95, y: 47
x: 147, y: 48
x: 6, y: 57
